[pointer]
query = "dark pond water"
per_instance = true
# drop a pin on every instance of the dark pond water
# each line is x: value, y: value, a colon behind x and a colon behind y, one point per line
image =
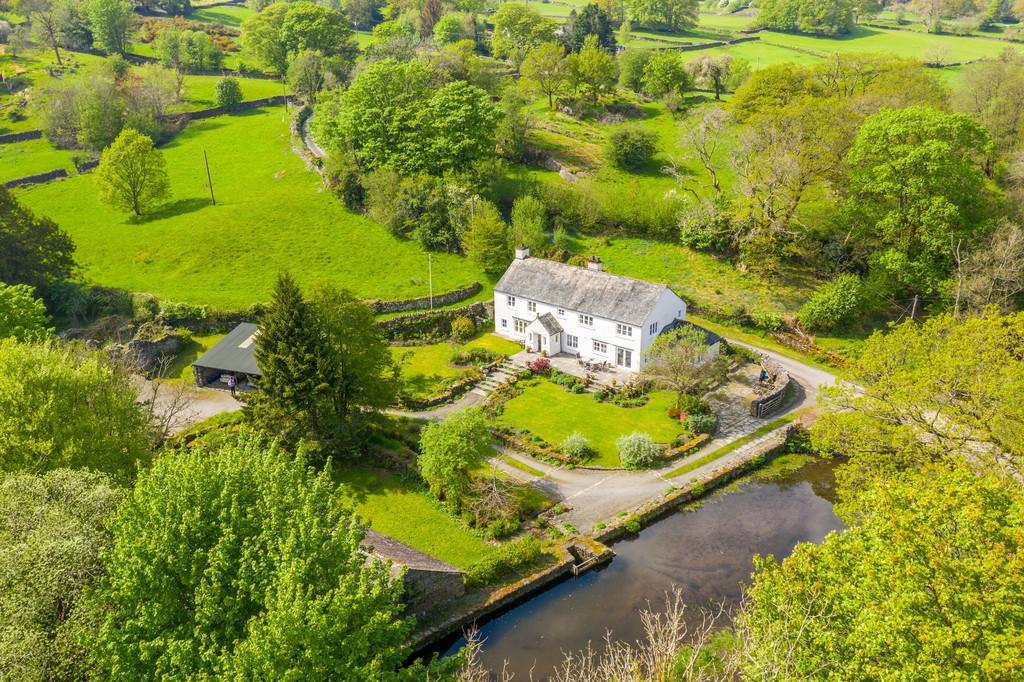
x: 707, y: 553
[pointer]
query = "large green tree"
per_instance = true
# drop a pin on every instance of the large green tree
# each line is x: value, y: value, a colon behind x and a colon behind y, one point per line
x: 132, y: 174
x: 486, y: 237
x: 926, y: 584
x: 592, y: 20
x: 52, y: 535
x: 239, y: 562
x: 546, y: 70
x: 109, y: 21
x: 449, y: 451
x: 820, y: 17
x: 593, y: 69
x: 361, y: 373
x: 64, y: 406
x: 917, y: 189
x: 33, y: 250
x: 393, y: 117
x: 280, y: 31
x: 518, y: 29
x: 671, y: 15
x: 22, y: 315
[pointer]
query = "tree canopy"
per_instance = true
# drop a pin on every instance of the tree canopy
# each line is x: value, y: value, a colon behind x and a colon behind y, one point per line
x: 132, y: 174
x: 33, y: 250
x: 821, y: 17
x: 22, y: 315
x: 517, y: 30
x: 280, y: 31
x: 252, y: 569
x: 64, y: 406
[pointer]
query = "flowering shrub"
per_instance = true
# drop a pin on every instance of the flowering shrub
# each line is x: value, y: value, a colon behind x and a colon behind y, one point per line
x: 540, y: 365
x: 637, y: 450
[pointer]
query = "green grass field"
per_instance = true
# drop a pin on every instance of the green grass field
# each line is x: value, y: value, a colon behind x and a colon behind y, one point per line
x: 33, y: 156
x: 201, y: 91
x: 405, y: 511
x: 181, y: 368
x: 230, y: 16
x: 272, y: 214
x: 550, y: 412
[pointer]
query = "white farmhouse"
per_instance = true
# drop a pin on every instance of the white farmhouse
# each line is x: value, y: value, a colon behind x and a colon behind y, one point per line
x: 554, y: 308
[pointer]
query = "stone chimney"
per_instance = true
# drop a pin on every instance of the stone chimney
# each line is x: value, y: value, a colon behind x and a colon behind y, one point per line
x: 595, y: 263
x: 522, y: 252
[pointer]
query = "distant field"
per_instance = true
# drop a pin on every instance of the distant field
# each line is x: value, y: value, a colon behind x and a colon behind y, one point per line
x: 34, y: 156
x: 230, y: 16
x: 903, y: 43
x: 271, y: 214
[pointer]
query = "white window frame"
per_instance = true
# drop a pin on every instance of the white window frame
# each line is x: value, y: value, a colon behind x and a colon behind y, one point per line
x: 520, y: 325
x: 531, y: 306
x: 627, y: 353
x: 511, y: 300
x: 586, y: 320
x: 599, y: 346
x: 572, y: 341
x: 623, y: 330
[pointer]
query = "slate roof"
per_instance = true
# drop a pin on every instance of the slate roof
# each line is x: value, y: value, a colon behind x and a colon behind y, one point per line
x: 550, y: 324
x: 236, y: 352
x: 386, y: 547
x: 594, y: 292
x: 710, y: 338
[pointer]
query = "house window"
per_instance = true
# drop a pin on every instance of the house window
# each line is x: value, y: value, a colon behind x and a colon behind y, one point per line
x: 561, y: 313
x: 520, y: 326
x: 600, y: 346
x: 504, y: 323
x: 511, y: 301
x: 531, y: 306
x: 572, y: 341
x: 653, y: 329
x: 623, y: 357
x: 587, y: 320
x: 623, y: 330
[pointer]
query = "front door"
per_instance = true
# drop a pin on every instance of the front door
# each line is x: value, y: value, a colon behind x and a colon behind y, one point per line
x: 623, y: 357
x: 536, y: 343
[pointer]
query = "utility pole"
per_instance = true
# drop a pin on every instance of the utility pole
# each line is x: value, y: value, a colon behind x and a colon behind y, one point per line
x: 209, y: 181
x: 430, y: 278
x: 284, y: 89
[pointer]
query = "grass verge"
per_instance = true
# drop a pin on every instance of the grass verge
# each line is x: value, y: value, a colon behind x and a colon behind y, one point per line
x: 733, y: 446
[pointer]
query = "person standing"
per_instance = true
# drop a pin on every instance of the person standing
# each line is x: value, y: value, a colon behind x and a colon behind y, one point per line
x: 232, y: 383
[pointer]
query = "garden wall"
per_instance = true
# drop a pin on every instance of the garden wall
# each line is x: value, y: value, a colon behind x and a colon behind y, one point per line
x: 23, y: 136
x: 429, y: 326
x: 772, y: 401
x: 425, y: 302
x: 243, y: 106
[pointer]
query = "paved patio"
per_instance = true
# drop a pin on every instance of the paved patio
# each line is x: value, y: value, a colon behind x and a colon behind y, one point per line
x: 570, y: 364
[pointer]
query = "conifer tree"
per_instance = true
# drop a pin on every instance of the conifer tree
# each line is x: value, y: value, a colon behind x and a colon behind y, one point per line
x: 288, y: 353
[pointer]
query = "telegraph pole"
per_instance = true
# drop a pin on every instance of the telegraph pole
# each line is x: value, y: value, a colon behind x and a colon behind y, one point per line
x: 209, y: 181
x: 430, y: 277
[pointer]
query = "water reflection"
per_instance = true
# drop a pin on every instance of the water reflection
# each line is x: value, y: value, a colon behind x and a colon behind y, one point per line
x: 706, y: 552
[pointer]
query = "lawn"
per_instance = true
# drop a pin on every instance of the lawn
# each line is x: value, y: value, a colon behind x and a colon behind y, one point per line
x: 427, y: 370
x: 550, y: 412
x: 33, y: 156
x: 405, y: 511
x: 272, y: 214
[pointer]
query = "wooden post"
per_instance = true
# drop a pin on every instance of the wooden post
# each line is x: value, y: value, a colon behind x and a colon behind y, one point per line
x: 430, y: 278
x: 209, y: 181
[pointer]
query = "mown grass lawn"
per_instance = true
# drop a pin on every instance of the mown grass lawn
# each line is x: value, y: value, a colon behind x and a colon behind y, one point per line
x: 181, y: 368
x: 427, y: 370
x: 550, y: 412
x: 272, y: 214
x: 405, y: 511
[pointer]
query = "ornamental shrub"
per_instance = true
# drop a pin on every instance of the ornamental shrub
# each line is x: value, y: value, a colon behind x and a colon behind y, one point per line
x: 637, y: 450
x: 463, y: 329
x: 832, y: 304
x: 539, y: 365
x: 630, y: 146
x: 576, y: 447
x: 691, y: 404
x: 229, y: 93
x: 502, y: 528
x: 772, y: 322
x: 701, y: 423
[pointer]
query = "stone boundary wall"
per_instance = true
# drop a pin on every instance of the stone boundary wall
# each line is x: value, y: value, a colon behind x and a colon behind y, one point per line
x: 243, y: 106
x: 87, y: 166
x: 23, y: 136
x: 425, y: 302
x: 765, y: 405
x: 717, y: 43
x: 38, y: 177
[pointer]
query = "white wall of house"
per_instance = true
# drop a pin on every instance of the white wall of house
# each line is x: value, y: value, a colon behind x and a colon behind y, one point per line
x: 593, y: 338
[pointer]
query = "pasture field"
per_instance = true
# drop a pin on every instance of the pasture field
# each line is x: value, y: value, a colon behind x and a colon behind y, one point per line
x: 272, y: 214
x: 229, y: 16
x: 33, y: 156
